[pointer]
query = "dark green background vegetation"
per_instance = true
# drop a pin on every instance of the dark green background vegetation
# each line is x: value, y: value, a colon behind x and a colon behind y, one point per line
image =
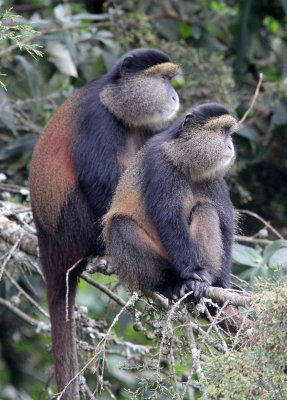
x: 222, y: 47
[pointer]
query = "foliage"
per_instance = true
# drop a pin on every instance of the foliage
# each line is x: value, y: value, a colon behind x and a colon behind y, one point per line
x: 257, y: 368
x: 260, y: 262
x: 17, y: 33
x: 222, y: 46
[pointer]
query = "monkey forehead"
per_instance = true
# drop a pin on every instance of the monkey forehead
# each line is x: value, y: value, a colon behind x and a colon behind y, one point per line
x: 225, y: 120
x: 166, y: 68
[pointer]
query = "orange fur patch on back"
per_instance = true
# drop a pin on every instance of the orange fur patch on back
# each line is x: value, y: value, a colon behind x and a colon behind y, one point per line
x: 129, y: 204
x: 53, y: 174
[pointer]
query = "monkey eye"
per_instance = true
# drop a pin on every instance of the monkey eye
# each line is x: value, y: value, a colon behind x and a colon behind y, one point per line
x: 165, y: 78
x: 221, y: 132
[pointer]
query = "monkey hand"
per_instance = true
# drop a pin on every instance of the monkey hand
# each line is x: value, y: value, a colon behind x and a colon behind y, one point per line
x: 198, y: 283
x: 188, y: 272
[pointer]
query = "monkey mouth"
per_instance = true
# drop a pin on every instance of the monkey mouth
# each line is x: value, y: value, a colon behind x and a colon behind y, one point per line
x: 227, y: 160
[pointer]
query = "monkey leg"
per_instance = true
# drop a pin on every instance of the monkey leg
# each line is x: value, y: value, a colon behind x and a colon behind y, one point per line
x: 206, y: 234
x: 138, y: 259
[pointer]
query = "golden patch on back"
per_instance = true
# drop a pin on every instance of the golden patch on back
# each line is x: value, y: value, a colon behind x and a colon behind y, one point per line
x: 53, y: 172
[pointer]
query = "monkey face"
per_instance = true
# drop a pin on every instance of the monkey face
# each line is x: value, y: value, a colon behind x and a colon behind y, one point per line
x: 203, y: 150
x: 159, y: 100
x: 145, y: 99
x: 219, y: 132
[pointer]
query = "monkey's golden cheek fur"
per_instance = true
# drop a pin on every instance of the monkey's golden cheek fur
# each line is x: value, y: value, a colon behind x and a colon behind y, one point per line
x: 53, y: 173
x: 129, y: 205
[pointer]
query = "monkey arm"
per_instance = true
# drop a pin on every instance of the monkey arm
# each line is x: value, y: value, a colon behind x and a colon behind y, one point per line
x: 164, y: 189
x: 97, y: 151
x: 220, y: 194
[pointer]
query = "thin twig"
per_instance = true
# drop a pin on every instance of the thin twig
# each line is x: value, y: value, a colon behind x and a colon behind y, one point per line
x: 25, y: 294
x: 236, y: 339
x: 172, y: 362
x: 263, y: 221
x: 251, y: 239
x: 169, y: 16
x: 214, y: 321
x: 19, y: 312
x: 253, y: 99
x: 194, y: 351
x: 67, y: 286
x: 9, y: 256
x: 104, y: 289
x: 164, y: 332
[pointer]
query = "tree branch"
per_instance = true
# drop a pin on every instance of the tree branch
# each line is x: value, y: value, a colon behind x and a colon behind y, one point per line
x: 253, y: 99
x: 12, y: 232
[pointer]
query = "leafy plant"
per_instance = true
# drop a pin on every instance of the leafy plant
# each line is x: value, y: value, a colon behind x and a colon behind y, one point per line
x: 250, y: 263
x: 255, y: 369
x: 12, y: 30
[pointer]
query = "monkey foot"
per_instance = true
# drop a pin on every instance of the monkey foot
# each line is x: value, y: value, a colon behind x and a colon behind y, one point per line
x: 196, y: 286
x: 200, y: 280
x: 99, y: 263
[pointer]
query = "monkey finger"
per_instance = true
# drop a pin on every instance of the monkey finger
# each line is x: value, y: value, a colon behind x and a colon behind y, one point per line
x: 197, y: 289
x: 196, y: 276
x: 207, y: 280
x: 204, y: 276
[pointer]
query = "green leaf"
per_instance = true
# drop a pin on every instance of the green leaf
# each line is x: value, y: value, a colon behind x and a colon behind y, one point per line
x: 271, y: 249
x: 61, y: 57
x: 246, y: 255
x: 279, y: 258
x: 249, y: 133
x: 31, y: 75
x: 184, y: 30
x: 279, y: 116
x: 18, y: 146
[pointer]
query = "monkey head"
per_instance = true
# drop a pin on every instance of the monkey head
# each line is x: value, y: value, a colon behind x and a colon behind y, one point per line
x: 203, y: 148
x: 141, y: 94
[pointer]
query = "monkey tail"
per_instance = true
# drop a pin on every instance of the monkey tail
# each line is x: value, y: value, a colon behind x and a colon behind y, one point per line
x: 61, y: 301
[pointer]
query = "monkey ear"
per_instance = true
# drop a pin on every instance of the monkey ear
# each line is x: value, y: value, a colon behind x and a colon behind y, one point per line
x: 127, y: 64
x: 187, y: 119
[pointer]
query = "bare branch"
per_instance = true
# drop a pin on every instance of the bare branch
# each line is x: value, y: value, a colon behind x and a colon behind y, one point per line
x: 9, y: 256
x: 19, y: 312
x: 267, y: 224
x: 25, y: 294
x: 253, y: 99
x: 251, y: 239
x: 216, y: 293
x: 104, y: 289
x: 67, y: 286
x: 12, y: 232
